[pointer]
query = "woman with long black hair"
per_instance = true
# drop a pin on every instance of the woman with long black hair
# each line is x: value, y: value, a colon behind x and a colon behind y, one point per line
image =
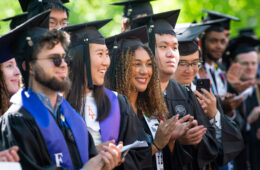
x: 108, y: 115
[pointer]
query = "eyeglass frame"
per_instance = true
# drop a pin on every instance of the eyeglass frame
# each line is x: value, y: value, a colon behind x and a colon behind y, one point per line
x: 58, y: 23
x: 187, y: 64
x: 57, y: 63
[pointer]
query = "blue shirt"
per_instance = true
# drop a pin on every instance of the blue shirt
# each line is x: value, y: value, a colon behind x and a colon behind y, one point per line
x: 47, y: 102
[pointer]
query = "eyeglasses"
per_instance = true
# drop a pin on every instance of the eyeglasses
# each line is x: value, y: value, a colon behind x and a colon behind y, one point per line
x: 57, y: 59
x: 54, y: 23
x: 185, y: 65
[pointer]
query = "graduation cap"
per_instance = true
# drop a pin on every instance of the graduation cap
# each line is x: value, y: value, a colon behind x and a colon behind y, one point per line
x: 83, y: 35
x: 161, y: 23
x: 16, y: 20
x: 187, y: 38
x: 19, y: 42
x: 215, y: 25
x: 135, y: 37
x: 121, y: 42
x: 239, y: 45
x: 34, y: 7
x: 215, y: 22
x: 133, y: 8
x: 212, y: 15
x: 247, y: 31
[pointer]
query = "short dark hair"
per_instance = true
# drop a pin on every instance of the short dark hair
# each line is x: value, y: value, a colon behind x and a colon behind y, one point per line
x: 214, y: 28
x: 203, y: 38
x: 171, y: 32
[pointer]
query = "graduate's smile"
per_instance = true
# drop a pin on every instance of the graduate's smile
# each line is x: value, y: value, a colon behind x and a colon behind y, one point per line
x: 15, y: 80
x: 102, y: 71
x: 11, y: 75
x: 100, y: 61
x: 142, y: 80
x: 141, y: 70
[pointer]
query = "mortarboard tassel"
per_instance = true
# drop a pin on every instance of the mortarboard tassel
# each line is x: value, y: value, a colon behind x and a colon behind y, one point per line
x: 151, y: 36
x: 87, y: 61
x: 113, y: 66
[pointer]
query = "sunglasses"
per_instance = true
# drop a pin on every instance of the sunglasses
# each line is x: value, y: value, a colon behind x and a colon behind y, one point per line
x: 57, y: 59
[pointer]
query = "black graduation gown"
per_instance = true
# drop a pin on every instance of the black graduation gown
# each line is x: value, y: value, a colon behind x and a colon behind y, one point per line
x: 131, y: 130
x: 252, y: 142
x: 18, y: 127
x: 182, y: 101
x: 170, y: 160
x: 231, y: 143
x: 241, y: 161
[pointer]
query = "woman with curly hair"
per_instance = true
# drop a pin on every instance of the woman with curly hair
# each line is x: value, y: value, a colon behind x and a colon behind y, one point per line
x: 133, y: 72
x: 108, y: 115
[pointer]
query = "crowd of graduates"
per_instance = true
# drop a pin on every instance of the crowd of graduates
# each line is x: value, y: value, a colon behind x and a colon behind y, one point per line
x: 159, y: 95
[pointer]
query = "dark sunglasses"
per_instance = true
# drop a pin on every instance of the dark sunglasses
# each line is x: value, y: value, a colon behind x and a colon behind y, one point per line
x: 57, y: 59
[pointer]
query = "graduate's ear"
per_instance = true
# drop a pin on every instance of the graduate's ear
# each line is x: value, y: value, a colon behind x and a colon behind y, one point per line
x: 125, y: 24
x: 23, y: 65
x: 31, y: 68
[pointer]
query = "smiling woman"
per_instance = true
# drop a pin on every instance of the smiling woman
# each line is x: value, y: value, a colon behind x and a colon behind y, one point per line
x: 9, y: 82
x: 133, y: 72
x: 108, y: 115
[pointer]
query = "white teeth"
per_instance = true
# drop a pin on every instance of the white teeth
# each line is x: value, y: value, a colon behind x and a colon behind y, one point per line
x: 102, y: 71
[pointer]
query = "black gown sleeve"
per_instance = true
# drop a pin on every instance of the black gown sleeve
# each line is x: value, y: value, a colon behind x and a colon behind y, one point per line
x: 207, y: 149
x: 19, y: 128
x: 232, y: 142
x: 177, y: 160
x: 92, y: 151
x: 131, y: 130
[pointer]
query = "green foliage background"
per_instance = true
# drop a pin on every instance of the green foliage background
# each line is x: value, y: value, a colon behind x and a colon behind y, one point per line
x: 89, y: 10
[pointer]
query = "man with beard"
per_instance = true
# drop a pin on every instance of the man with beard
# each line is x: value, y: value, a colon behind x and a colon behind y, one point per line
x: 213, y: 46
x: 50, y: 134
x: 212, y: 15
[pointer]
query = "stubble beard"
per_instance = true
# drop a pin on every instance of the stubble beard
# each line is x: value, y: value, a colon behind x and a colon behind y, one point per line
x: 51, y: 82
